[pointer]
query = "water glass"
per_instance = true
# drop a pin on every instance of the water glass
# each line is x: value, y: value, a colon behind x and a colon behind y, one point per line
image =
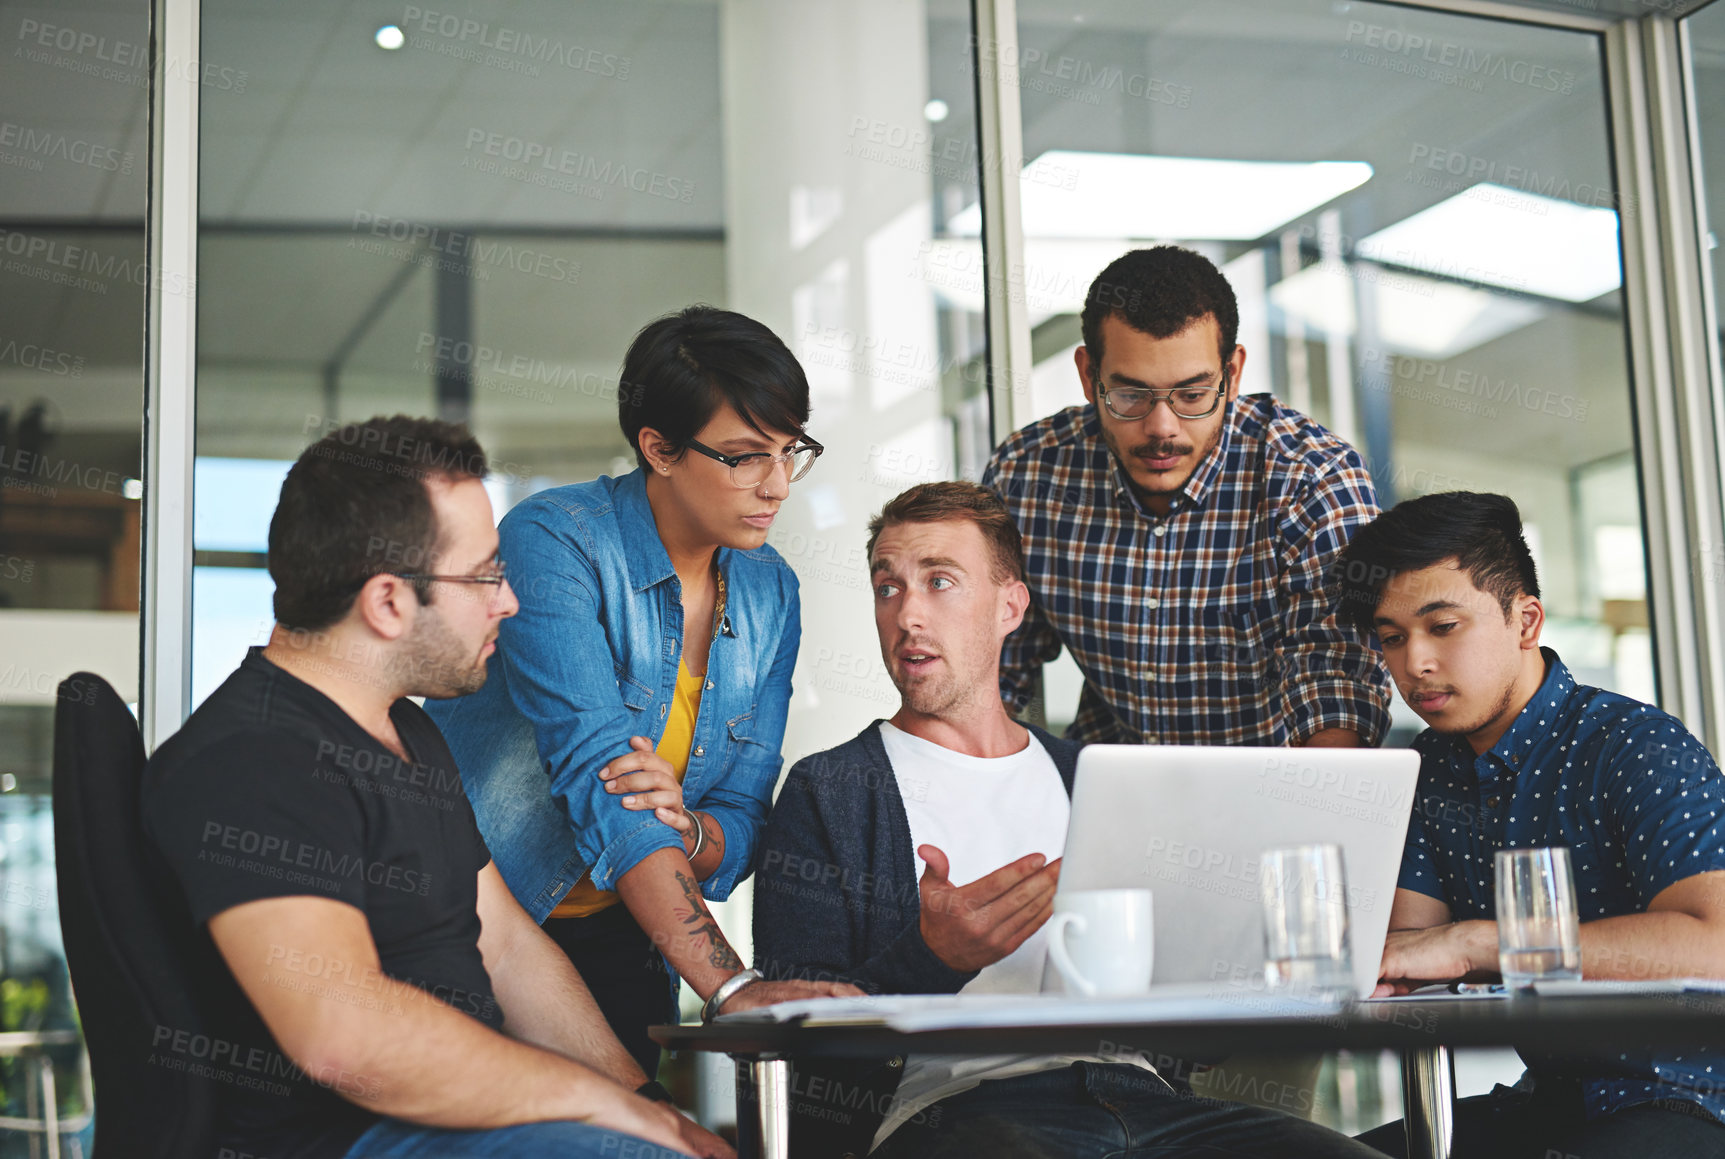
x: 1306, y: 943
x: 1538, y: 931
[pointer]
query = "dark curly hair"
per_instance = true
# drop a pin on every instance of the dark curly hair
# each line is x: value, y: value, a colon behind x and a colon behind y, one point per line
x: 1159, y: 291
x: 1481, y: 533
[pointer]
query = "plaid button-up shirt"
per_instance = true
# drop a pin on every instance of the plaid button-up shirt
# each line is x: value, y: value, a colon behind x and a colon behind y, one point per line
x: 1210, y: 625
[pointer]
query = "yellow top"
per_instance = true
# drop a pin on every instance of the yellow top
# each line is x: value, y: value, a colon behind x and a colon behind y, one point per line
x: 585, y: 901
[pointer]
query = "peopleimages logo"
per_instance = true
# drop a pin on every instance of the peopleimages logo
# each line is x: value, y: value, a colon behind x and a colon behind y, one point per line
x: 274, y: 855
x: 1447, y: 62
x: 34, y: 144
x: 86, y: 53
x: 464, y: 38
x: 536, y: 162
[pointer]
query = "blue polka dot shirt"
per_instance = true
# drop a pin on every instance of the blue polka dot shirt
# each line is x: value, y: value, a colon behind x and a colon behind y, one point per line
x: 1641, y: 806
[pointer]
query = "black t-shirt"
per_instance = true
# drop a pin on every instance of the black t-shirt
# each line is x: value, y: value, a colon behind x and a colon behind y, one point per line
x: 271, y: 790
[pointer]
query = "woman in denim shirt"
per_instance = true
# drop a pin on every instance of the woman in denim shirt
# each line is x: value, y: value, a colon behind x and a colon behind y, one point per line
x: 622, y: 755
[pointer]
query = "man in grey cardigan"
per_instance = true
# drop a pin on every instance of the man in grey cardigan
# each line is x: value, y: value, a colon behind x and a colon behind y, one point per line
x: 862, y: 856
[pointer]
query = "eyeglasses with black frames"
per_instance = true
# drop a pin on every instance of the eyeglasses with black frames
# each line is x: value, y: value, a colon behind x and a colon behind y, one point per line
x: 752, y: 469
x: 1130, y: 403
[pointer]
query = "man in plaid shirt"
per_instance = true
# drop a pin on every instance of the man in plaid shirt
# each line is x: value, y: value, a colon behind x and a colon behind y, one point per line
x: 1178, y: 536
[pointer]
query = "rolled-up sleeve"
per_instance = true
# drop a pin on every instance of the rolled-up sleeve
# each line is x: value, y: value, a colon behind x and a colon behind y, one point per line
x: 739, y: 802
x: 1331, y: 678
x: 558, y: 661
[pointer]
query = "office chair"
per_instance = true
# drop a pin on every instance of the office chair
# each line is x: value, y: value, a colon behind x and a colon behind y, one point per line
x: 126, y: 929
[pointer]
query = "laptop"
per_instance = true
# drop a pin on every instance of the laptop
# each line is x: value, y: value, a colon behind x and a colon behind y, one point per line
x: 1190, y: 823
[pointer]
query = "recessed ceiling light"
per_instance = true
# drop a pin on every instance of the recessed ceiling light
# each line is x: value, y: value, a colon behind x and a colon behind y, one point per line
x: 1497, y: 236
x: 390, y: 37
x: 935, y: 110
x: 1070, y: 194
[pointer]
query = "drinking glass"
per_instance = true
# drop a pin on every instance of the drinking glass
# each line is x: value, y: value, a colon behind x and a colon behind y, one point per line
x: 1306, y: 944
x: 1538, y: 932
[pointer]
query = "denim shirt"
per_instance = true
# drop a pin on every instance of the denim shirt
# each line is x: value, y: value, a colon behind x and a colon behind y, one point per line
x: 591, y: 660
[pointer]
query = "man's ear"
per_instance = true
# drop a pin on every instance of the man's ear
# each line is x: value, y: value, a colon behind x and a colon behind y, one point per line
x: 386, y: 606
x: 1236, y: 368
x: 1530, y: 617
x: 1015, y: 602
x: 1081, y: 357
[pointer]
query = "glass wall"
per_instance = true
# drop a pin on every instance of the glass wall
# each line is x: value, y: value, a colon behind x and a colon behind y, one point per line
x: 74, y: 153
x: 1417, y: 213
x: 1705, y: 35
x: 471, y: 212
x: 475, y: 222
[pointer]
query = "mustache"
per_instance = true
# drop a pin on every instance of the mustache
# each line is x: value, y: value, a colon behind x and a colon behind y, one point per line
x: 1160, y: 450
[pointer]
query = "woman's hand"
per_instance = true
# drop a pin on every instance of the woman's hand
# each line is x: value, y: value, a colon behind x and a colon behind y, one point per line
x: 645, y: 780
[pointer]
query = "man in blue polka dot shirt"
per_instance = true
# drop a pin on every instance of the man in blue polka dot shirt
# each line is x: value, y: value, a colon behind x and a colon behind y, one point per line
x: 1519, y: 755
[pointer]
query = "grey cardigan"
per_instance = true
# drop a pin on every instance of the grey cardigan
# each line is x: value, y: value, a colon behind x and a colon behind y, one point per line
x: 836, y: 898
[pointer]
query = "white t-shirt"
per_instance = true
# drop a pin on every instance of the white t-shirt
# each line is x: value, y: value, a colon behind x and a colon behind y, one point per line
x: 982, y: 812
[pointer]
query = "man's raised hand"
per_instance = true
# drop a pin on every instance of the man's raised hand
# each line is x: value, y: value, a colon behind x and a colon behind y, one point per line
x: 972, y: 926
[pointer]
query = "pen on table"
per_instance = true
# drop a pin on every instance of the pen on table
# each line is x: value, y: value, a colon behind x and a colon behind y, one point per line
x: 1476, y: 988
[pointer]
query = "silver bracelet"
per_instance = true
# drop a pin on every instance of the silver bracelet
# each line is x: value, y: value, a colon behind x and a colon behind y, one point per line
x: 700, y: 834
x: 727, y: 989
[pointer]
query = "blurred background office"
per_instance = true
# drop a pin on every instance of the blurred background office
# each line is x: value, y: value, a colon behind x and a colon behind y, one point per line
x: 1471, y: 237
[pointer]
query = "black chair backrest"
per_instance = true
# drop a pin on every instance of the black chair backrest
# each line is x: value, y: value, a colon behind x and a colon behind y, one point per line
x: 128, y: 935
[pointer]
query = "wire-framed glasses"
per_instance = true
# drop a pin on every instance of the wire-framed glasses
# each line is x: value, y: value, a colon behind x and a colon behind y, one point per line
x: 1128, y: 403
x: 492, y: 575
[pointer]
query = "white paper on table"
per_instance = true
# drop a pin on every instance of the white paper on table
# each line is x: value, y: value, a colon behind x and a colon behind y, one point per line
x: 1444, y: 995
x: 909, y: 1013
x: 868, y: 1010
x: 1612, y: 987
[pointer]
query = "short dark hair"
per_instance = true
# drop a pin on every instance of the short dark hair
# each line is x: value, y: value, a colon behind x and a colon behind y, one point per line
x: 1481, y: 533
x: 1159, y: 291
x: 681, y: 368
x: 355, y: 505
x: 955, y: 499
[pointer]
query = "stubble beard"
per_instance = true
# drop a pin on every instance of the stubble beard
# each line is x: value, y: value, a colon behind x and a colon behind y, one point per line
x: 437, y: 665
x: 1485, y: 721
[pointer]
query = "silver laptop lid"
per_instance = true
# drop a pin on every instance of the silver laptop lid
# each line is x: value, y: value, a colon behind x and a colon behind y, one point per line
x: 1190, y: 824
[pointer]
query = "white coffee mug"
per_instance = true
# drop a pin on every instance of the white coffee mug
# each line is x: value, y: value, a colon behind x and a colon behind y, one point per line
x: 1102, y: 941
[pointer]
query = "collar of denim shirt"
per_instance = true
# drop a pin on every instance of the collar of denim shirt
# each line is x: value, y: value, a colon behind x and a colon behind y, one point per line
x: 646, y: 557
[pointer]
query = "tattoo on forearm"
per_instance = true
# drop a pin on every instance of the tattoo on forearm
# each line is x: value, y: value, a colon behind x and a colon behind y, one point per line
x: 700, y: 924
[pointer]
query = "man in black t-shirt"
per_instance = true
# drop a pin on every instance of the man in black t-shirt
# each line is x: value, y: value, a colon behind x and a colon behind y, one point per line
x: 369, y: 986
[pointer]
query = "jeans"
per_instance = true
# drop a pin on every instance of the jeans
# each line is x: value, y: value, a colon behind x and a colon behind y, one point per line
x: 394, y: 1139
x: 1105, y: 1111
x: 1552, y: 1124
x: 628, y: 978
